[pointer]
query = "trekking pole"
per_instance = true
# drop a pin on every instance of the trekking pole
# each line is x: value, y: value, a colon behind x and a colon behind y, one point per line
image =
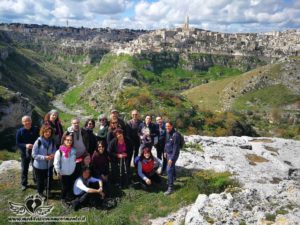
x: 125, y: 171
x: 48, y: 181
x: 120, y: 163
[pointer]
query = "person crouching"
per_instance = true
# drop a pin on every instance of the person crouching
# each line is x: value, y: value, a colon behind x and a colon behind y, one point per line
x: 149, y: 168
x: 87, y: 190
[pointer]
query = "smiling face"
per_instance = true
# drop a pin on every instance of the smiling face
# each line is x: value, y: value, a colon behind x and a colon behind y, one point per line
x: 90, y: 125
x: 100, y: 148
x: 68, y: 141
x: 147, y: 154
x: 148, y: 119
x: 27, y: 122
x: 134, y: 114
x: 159, y: 120
x: 47, y: 133
x: 169, y: 127
x: 53, y: 117
x: 75, y: 124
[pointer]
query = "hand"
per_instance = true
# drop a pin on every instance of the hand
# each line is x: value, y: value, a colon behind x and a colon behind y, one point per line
x: 104, y: 178
x: 59, y: 176
x: 29, y: 146
x: 100, y: 189
x: 169, y: 162
x: 165, y: 155
x: 148, y: 182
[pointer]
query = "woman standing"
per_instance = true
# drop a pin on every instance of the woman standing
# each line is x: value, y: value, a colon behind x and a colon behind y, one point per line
x: 43, y: 153
x: 113, y: 125
x: 118, y: 150
x: 89, y: 127
x: 64, y: 164
x: 52, y: 119
x: 100, y: 162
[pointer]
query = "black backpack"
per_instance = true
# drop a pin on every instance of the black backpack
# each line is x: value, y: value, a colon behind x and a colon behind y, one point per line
x: 181, y: 140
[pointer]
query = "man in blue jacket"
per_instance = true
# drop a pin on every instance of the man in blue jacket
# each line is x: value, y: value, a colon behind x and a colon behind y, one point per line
x: 25, y: 138
x: 172, y: 149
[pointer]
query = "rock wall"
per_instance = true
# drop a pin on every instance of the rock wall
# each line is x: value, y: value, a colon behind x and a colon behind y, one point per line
x: 12, y: 107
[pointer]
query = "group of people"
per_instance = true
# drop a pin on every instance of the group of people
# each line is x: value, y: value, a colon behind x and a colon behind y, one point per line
x: 88, y: 162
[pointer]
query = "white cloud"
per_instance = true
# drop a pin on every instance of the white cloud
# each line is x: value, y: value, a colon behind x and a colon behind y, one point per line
x: 221, y: 15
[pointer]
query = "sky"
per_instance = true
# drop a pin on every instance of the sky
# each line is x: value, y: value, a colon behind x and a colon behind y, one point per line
x: 216, y: 15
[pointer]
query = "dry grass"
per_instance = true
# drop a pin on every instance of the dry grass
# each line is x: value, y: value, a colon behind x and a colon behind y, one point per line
x: 254, y: 159
x: 271, y: 149
x: 262, y: 140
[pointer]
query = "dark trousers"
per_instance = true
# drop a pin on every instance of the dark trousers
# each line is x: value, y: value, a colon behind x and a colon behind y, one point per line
x: 42, y: 179
x: 120, y: 171
x: 88, y: 199
x: 77, y: 172
x: 26, y: 159
x: 160, y: 154
x: 154, y: 178
x: 67, y: 182
x: 136, y: 147
x: 171, y: 174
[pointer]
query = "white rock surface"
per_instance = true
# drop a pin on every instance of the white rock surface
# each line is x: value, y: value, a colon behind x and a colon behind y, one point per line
x: 266, y: 186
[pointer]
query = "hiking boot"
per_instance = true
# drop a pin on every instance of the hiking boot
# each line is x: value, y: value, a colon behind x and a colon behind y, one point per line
x: 169, y: 191
x: 24, y: 187
x: 65, y: 204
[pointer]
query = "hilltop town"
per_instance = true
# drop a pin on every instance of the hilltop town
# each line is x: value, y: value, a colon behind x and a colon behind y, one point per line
x: 182, y: 39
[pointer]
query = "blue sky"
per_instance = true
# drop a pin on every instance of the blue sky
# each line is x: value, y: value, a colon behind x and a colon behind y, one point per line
x: 217, y: 15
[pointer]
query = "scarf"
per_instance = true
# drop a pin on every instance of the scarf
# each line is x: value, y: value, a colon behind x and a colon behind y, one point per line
x: 66, y: 150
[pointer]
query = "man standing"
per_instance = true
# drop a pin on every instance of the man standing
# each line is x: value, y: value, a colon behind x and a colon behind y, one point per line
x: 80, y: 143
x: 161, y: 129
x: 25, y: 138
x: 172, y: 149
x: 132, y: 129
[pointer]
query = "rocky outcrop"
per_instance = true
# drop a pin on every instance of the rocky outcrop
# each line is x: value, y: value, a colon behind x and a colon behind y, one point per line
x: 12, y: 107
x: 102, y: 94
x: 268, y: 170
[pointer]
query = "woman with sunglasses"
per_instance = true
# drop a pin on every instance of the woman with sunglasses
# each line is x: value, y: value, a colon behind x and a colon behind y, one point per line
x: 64, y: 164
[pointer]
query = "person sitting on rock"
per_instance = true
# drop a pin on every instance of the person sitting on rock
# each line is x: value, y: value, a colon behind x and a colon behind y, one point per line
x: 149, y: 168
x: 88, y: 190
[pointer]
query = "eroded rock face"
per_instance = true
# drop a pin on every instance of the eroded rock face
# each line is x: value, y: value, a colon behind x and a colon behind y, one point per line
x: 268, y: 170
x: 12, y: 107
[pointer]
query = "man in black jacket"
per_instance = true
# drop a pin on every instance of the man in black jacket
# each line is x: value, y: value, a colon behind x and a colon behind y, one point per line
x: 25, y: 138
x: 172, y: 149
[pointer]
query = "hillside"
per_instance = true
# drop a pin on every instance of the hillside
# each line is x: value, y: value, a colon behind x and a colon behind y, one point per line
x: 268, y: 95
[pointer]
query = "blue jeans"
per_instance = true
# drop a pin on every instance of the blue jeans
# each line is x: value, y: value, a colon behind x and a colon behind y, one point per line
x: 171, y: 173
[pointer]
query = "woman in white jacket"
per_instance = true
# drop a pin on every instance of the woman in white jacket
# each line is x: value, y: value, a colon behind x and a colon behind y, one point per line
x: 64, y: 164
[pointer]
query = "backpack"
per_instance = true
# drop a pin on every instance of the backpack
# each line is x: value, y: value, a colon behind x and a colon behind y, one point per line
x: 181, y: 140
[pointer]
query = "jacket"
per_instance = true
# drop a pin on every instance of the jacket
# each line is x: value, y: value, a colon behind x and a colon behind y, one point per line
x: 42, y: 148
x: 63, y: 165
x: 113, y: 148
x: 172, y: 146
x: 25, y: 136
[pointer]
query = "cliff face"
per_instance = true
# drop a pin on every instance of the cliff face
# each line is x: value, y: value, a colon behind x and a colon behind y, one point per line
x: 12, y: 107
